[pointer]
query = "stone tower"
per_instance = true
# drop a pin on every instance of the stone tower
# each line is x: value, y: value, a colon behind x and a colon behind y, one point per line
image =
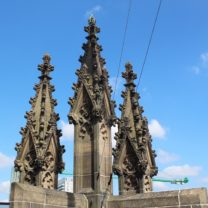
x: 39, y: 155
x: 134, y: 159
x: 92, y: 113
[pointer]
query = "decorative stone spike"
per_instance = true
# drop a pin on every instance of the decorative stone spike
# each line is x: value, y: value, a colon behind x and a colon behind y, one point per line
x: 92, y: 113
x: 134, y: 160
x: 39, y: 158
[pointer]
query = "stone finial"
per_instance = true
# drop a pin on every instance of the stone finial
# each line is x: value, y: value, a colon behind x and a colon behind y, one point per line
x: 91, y: 20
x: 128, y: 67
x: 92, y: 29
x: 45, y: 67
x: 46, y: 58
x: 129, y: 75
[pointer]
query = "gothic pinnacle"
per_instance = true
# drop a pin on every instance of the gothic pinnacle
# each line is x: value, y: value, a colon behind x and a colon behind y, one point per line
x: 39, y: 155
x: 92, y: 113
x: 134, y: 139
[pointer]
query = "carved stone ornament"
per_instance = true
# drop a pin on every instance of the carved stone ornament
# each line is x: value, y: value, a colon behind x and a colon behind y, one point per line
x: 134, y: 159
x: 92, y: 82
x: 92, y: 113
x: 39, y: 155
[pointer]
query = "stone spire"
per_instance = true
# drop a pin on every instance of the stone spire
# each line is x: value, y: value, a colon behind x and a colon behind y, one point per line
x: 39, y: 155
x: 92, y: 113
x: 134, y: 159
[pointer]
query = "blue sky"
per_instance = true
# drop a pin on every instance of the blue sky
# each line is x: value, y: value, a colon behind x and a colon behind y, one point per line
x: 173, y: 87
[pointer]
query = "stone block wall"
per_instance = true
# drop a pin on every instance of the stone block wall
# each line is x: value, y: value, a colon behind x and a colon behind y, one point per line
x: 27, y: 196
x: 190, y: 198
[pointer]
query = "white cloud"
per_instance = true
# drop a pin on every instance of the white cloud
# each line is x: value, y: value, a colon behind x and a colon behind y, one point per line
x: 4, y: 187
x: 166, y: 157
x: 196, y: 70
x: 160, y: 186
x: 204, y: 59
x: 180, y: 171
x: 114, y: 129
x: 156, y: 129
x: 95, y: 9
x: 5, y: 161
x: 205, y: 180
x: 202, y: 65
x: 67, y: 131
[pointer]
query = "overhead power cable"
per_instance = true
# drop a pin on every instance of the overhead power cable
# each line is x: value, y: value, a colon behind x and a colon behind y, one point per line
x: 149, y: 42
x: 122, y: 46
x: 119, y: 65
x: 146, y: 54
x: 118, y: 71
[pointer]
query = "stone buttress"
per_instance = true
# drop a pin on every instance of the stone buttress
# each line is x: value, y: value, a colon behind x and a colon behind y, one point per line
x: 92, y: 113
x: 134, y: 159
x: 39, y: 155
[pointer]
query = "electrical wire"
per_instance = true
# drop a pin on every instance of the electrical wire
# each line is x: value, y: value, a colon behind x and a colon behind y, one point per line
x: 149, y: 43
x: 119, y: 65
x: 147, y: 51
x: 122, y: 46
x: 118, y: 72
